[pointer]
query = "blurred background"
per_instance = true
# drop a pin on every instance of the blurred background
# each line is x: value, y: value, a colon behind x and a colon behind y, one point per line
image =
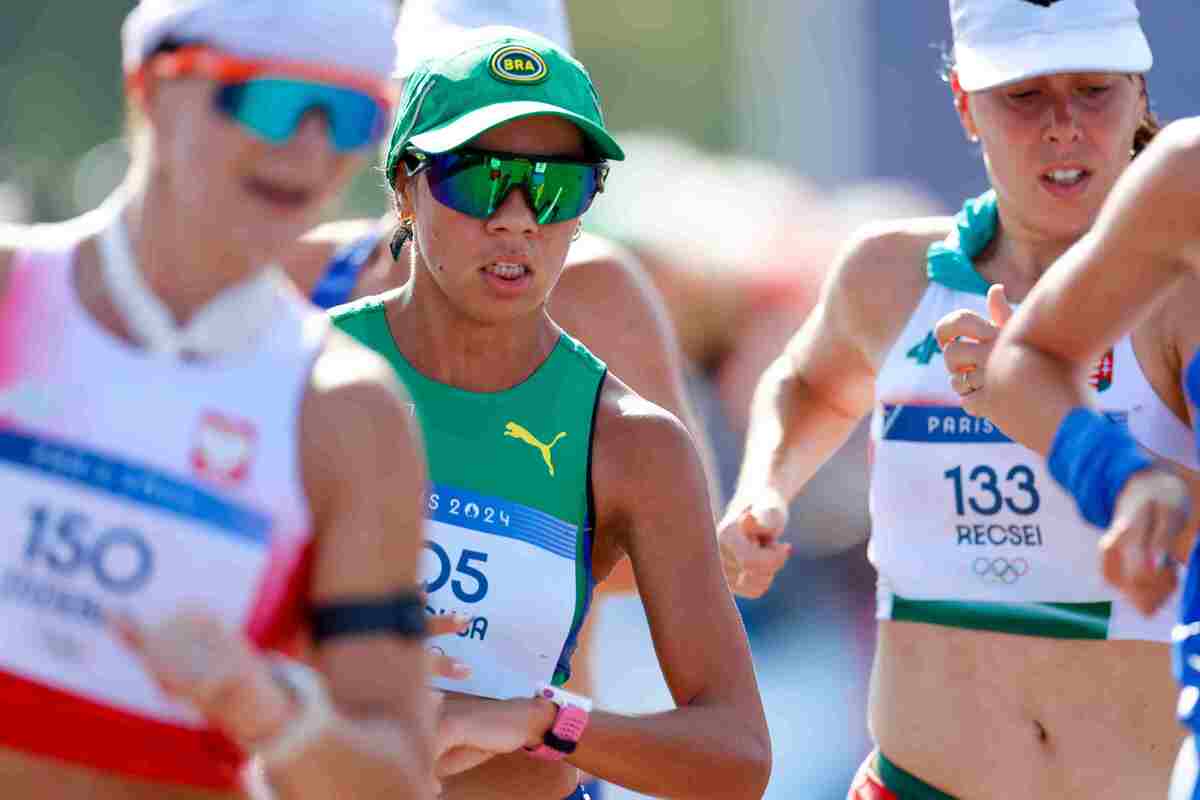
x: 760, y: 133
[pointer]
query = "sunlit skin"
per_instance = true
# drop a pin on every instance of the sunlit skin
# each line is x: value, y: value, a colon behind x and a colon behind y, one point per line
x: 1081, y: 718
x: 209, y: 204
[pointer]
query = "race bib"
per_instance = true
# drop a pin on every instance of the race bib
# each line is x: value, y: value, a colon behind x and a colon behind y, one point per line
x: 965, y: 513
x: 84, y: 534
x: 512, y: 570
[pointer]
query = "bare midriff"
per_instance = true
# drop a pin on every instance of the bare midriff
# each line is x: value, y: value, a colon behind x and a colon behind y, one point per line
x: 513, y: 775
x: 24, y: 775
x: 992, y: 716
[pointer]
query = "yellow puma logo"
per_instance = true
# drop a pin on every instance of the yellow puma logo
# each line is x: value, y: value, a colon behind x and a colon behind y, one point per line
x: 515, y: 431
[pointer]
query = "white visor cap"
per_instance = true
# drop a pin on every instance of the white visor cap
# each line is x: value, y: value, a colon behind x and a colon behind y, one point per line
x: 1004, y: 41
x: 353, y: 35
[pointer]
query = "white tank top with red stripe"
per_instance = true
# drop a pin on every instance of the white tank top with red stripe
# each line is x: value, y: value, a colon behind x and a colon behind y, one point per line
x: 141, y: 483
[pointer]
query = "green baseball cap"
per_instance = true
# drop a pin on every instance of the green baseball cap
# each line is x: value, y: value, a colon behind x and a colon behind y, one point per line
x: 492, y: 76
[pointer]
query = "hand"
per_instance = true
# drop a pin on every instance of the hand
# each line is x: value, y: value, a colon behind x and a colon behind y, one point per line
x: 440, y: 664
x: 966, y: 340
x: 195, y: 659
x: 1152, y: 510
x: 748, y: 535
x: 475, y: 729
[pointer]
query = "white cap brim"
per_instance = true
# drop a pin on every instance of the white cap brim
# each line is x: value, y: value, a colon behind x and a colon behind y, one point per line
x: 1122, y: 48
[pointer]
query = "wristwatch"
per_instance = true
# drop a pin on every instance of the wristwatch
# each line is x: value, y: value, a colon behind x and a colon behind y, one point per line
x: 307, y: 689
x: 572, y: 717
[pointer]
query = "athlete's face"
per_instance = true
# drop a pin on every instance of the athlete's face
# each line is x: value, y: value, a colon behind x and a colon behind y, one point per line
x: 230, y: 186
x: 504, y: 266
x: 1055, y: 145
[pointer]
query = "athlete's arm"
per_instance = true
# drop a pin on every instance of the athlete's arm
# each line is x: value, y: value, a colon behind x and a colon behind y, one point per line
x: 1146, y: 237
x: 810, y: 399
x: 605, y: 299
x: 651, y: 504
x: 365, y: 478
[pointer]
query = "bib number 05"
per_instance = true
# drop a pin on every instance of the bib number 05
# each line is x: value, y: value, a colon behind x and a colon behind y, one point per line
x: 470, y: 586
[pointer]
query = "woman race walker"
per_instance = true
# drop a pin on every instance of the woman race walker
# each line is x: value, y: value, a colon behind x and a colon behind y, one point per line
x: 1004, y: 666
x: 168, y: 446
x: 546, y: 470
x: 1136, y: 269
x: 604, y: 298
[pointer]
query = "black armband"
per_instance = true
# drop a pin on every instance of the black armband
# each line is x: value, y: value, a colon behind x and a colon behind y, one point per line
x: 402, y: 614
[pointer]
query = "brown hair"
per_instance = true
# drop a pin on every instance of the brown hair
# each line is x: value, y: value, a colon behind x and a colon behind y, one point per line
x: 1149, y: 126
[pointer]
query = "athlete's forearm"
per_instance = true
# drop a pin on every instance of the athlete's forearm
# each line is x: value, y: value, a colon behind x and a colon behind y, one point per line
x: 792, y: 433
x: 1031, y: 391
x: 694, y: 752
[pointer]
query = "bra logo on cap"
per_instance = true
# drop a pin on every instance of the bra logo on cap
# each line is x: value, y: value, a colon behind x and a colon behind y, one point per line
x: 517, y: 64
x: 1042, y: 3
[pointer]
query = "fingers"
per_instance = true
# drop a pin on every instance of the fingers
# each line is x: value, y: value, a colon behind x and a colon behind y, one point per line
x: 998, y: 308
x: 751, y: 552
x: 439, y: 664
x: 962, y: 355
x: 766, y: 518
x: 963, y: 323
x: 1134, y: 554
x: 755, y: 565
x: 442, y: 624
x: 444, y: 666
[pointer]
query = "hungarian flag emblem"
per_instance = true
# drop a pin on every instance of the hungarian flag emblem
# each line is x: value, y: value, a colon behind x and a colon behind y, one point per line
x: 1101, y: 377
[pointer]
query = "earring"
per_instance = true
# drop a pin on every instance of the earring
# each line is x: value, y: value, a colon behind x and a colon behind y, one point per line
x: 577, y: 234
x: 401, y: 235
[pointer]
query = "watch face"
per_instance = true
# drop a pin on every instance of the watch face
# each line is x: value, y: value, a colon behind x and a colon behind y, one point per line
x: 570, y: 723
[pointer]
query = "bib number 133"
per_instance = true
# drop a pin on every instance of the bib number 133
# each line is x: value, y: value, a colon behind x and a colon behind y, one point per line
x: 984, y: 492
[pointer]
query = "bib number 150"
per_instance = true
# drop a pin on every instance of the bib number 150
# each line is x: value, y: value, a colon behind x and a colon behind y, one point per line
x: 981, y: 491
x: 67, y: 542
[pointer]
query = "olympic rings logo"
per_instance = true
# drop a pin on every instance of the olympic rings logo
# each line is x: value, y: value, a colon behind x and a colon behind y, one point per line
x: 1000, y: 570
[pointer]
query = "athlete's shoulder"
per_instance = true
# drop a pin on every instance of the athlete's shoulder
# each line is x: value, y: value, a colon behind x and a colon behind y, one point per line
x: 877, y: 281
x: 640, y: 454
x: 356, y: 424
x: 307, y: 260
x: 631, y: 430
x: 596, y: 263
x: 349, y: 380
x: 891, y: 252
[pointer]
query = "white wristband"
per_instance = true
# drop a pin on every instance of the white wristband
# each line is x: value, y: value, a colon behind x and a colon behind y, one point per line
x: 316, y: 713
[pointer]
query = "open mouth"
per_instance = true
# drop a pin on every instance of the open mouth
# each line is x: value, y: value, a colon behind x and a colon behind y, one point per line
x: 1066, y: 178
x: 279, y: 195
x: 507, y: 271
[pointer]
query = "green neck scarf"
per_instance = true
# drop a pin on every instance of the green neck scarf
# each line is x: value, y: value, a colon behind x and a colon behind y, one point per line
x: 950, y: 262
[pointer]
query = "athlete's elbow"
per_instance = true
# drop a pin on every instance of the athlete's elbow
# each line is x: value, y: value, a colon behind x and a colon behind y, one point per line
x: 752, y: 752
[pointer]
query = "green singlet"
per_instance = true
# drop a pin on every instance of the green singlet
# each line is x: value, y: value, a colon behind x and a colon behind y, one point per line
x: 509, y: 510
